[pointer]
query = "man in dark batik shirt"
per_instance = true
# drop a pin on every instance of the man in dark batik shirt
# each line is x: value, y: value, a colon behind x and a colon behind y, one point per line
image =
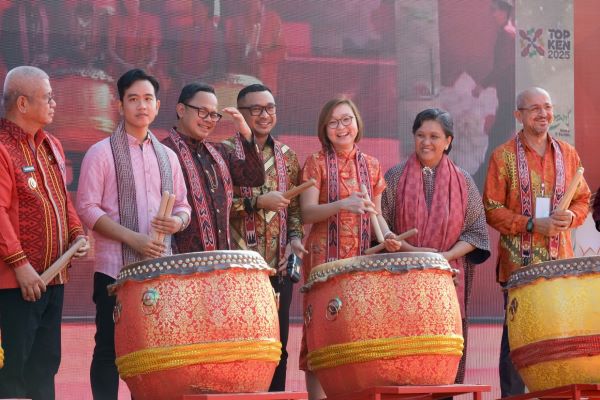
x: 210, y: 169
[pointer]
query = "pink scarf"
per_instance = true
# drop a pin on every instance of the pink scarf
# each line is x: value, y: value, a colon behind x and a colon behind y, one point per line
x: 440, y: 226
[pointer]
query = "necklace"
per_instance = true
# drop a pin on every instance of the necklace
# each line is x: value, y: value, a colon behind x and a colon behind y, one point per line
x: 213, y: 180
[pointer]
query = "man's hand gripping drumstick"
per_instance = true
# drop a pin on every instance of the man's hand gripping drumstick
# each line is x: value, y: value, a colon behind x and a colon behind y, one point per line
x: 165, y: 223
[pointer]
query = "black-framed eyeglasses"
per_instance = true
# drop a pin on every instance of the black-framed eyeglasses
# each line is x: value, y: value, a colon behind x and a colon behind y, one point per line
x: 345, y: 121
x: 537, y: 109
x: 48, y: 98
x: 203, y: 113
x: 255, y: 111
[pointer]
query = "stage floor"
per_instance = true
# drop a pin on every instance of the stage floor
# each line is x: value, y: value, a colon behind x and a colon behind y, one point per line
x: 73, y: 382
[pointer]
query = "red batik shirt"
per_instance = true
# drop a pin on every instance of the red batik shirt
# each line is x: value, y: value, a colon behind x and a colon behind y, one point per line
x: 37, y: 219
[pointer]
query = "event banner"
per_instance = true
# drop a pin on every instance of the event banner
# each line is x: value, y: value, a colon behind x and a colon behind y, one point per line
x: 544, y: 57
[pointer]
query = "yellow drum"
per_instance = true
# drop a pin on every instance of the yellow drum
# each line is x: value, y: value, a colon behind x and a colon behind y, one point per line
x: 553, y: 318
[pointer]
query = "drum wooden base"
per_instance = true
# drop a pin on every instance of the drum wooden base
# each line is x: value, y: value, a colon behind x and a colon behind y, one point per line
x: 249, y: 396
x: 575, y: 392
x: 410, y: 392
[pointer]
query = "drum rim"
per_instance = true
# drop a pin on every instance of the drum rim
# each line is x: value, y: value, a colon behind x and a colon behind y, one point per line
x: 576, y: 266
x: 189, y: 263
x: 391, y: 262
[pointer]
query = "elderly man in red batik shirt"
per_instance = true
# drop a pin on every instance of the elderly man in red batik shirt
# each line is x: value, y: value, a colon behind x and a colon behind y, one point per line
x: 37, y: 224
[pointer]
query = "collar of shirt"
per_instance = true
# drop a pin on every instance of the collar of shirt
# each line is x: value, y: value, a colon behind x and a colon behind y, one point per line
x: 194, y: 144
x: 347, y: 154
x: 15, y: 131
x: 133, y: 141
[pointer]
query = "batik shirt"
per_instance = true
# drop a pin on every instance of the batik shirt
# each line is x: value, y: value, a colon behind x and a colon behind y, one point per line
x: 502, y: 202
x: 37, y: 219
x: 267, y: 222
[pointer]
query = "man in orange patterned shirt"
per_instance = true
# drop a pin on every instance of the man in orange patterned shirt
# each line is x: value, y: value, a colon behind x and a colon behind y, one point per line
x: 527, y: 176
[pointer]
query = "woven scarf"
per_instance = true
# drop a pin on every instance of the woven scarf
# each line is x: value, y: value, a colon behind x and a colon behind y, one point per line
x: 440, y: 225
x: 527, y: 195
x: 282, y: 186
x: 198, y: 192
x: 333, y: 195
x: 128, y: 213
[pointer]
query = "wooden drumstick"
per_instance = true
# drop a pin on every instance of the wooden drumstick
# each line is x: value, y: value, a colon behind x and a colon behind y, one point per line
x: 565, y: 201
x: 59, y: 265
x: 167, y: 213
x: 402, y: 236
x: 295, y: 191
x: 373, y: 216
x: 161, y: 210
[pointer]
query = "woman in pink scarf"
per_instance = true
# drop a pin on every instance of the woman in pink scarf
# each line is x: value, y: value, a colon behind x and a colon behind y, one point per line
x: 430, y: 193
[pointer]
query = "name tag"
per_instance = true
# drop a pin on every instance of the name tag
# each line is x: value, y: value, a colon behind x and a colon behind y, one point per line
x: 28, y: 168
x: 542, y: 207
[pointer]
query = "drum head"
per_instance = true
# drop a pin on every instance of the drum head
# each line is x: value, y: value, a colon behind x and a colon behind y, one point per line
x: 190, y: 263
x: 554, y: 269
x: 392, y: 262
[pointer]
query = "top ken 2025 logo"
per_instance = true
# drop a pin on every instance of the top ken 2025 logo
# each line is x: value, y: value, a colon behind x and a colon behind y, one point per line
x: 556, y: 45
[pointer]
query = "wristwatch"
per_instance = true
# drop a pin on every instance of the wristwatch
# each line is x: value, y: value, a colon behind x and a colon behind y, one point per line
x: 248, y: 206
x: 529, y: 227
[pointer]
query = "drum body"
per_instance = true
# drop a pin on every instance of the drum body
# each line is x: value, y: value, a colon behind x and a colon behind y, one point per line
x: 553, y: 322
x: 390, y: 319
x: 88, y: 108
x: 196, y: 323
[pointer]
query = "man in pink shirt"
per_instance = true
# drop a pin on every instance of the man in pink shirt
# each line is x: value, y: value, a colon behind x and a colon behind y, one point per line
x: 120, y: 185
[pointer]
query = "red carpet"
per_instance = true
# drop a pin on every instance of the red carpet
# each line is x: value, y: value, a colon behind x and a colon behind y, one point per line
x: 73, y: 381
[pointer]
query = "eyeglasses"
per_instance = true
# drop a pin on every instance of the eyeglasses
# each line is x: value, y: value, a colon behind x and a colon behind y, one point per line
x: 47, y: 98
x: 255, y: 111
x: 345, y: 121
x: 203, y: 113
x: 537, y: 109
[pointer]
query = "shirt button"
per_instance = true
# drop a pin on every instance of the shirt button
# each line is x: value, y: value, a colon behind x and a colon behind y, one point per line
x: 219, y: 231
x: 218, y: 211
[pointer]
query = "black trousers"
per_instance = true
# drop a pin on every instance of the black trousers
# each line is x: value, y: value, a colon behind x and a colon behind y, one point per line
x: 31, y: 342
x: 103, y: 371
x: 284, y: 287
x: 510, y: 381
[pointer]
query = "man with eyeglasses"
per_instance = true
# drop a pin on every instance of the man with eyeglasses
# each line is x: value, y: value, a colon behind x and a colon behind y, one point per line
x: 38, y: 223
x: 527, y: 176
x: 263, y: 219
x: 210, y: 169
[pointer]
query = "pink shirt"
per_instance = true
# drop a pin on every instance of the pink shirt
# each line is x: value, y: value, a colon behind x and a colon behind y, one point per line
x: 97, y: 195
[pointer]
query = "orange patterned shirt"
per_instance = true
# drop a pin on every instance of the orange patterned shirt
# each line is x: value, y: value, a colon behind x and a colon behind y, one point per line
x: 349, y: 223
x: 502, y: 202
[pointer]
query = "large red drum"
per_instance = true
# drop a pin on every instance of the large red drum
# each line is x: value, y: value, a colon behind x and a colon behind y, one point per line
x: 87, y: 107
x: 196, y: 323
x: 385, y: 319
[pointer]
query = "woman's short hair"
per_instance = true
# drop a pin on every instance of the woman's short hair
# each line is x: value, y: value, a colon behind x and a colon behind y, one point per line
x: 442, y: 117
x: 325, y: 116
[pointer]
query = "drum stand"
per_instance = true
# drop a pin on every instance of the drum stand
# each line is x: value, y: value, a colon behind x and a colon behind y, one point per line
x: 248, y: 396
x: 575, y: 392
x: 414, y: 392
